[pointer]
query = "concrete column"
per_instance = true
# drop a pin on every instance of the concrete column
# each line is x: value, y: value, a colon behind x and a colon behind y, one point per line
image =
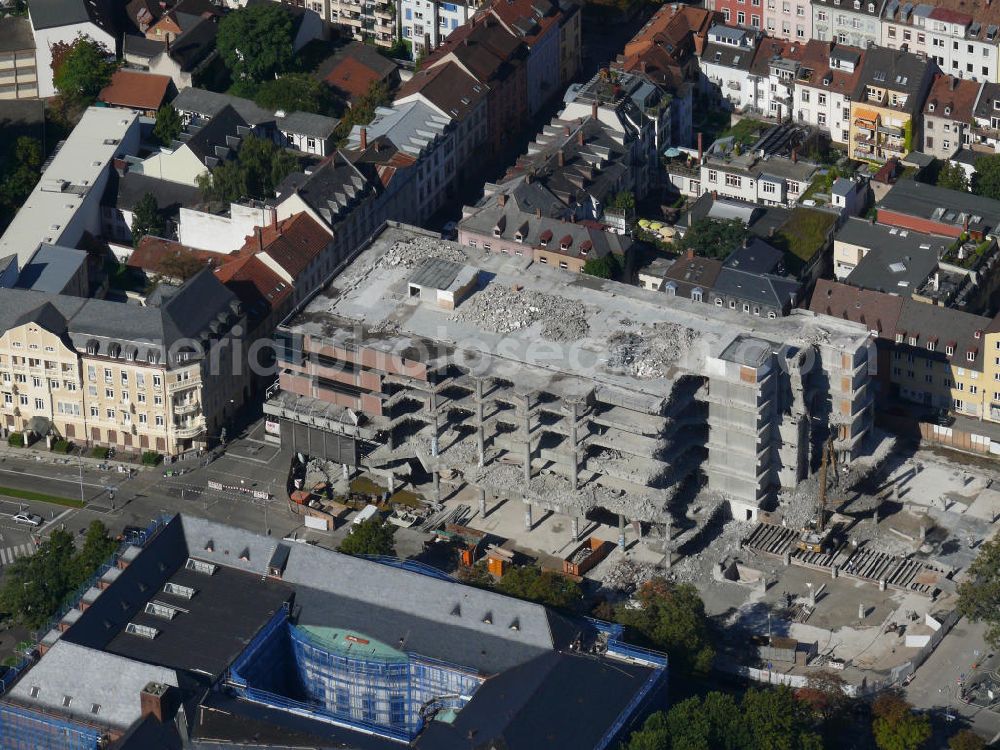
x: 787, y: 558
x: 434, y: 414
x: 392, y: 484
x: 527, y: 439
x: 882, y: 585
x: 621, y: 531
x: 576, y: 528
x: 834, y: 571
x: 480, y: 437
x: 437, y: 486
x: 527, y: 515
x: 861, y: 610
x: 574, y: 473
x: 482, y: 501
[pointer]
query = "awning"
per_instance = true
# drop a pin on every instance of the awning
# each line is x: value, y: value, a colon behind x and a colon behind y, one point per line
x: 865, y: 116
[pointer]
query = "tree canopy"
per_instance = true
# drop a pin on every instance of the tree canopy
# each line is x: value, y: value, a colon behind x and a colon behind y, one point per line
x: 23, y: 164
x: 371, y: 537
x: 896, y: 727
x: 81, y: 69
x: 672, y: 617
x: 979, y: 595
x: 146, y: 219
x: 986, y: 180
x: 605, y: 267
x: 542, y: 586
x: 363, y: 110
x: 168, y: 124
x: 771, y: 719
x: 35, y: 587
x: 296, y: 92
x: 256, y: 171
x: 953, y: 177
x: 713, y: 238
x: 966, y: 739
x: 255, y: 42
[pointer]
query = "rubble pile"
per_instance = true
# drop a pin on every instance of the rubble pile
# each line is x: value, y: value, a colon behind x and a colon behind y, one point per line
x: 650, y: 351
x: 626, y: 576
x: 408, y: 253
x: 697, y: 568
x: 503, y: 309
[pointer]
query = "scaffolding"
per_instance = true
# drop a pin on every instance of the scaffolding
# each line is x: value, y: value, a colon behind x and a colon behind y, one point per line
x: 348, y: 679
x: 24, y: 728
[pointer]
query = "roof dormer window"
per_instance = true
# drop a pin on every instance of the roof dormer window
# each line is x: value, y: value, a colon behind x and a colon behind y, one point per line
x: 949, y: 349
x: 971, y: 355
x: 947, y: 110
x: 913, y: 340
x: 900, y: 337
x: 585, y: 247
x: 545, y: 238
x: 930, y: 107
x: 930, y: 346
x: 978, y: 334
x: 565, y: 242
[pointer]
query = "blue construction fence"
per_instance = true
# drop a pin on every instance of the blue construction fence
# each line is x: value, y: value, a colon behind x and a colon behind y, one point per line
x: 23, y: 728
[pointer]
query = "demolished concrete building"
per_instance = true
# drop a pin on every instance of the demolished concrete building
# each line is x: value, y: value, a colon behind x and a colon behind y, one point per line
x: 569, y: 393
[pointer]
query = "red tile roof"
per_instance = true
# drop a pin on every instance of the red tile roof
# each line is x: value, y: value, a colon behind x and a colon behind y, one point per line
x: 159, y: 256
x: 816, y: 65
x: 876, y: 310
x: 351, y: 77
x: 955, y: 94
x: 133, y: 88
x: 250, y: 279
x: 293, y: 243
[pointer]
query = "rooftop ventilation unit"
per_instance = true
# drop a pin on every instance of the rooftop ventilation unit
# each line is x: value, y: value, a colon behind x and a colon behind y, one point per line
x: 143, y: 631
x: 200, y: 566
x: 176, y: 589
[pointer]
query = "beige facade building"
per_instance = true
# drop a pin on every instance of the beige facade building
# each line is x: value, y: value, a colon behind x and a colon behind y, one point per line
x: 165, y: 377
x: 18, y: 70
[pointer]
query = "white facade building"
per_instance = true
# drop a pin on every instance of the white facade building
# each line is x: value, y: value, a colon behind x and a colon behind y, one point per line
x: 726, y: 63
x: 427, y: 23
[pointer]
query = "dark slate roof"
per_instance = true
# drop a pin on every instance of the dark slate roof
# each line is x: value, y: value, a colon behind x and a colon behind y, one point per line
x: 308, y: 124
x: 946, y: 327
x: 989, y: 97
x: 756, y: 256
x: 190, y: 313
x: 330, y: 190
x: 218, y: 139
x: 728, y: 56
x: 50, y: 14
x: 194, y: 45
x: 898, y: 261
x: 140, y: 46
x: 693, y: 272
x: 767, y: 289
x: 15, y: 34
x: 557, y: 700
x: 126, y: 191
x: 208, y: 104
x: 944, y: 206
x: 895, y: 70
x: 51, y: 268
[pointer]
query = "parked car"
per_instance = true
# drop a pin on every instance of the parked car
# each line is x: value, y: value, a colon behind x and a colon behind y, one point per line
x: 28, y: 519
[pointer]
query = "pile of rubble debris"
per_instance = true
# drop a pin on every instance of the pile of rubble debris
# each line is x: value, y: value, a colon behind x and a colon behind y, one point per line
x: 648, y: 351
x: 626, y: 576
x: 408, y: 253
x: 502, y: 309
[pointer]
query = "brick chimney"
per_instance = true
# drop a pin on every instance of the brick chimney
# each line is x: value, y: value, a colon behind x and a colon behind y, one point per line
x: 561, y: 157
x: 579, y: 137
x: 154, y: 700
x: 795, y: 156
x: 364, y: 139
x: 260, y: 239
x: 502, y: 200
x: 689, y: 253
x: 593, y: 109
x: 701, y: 150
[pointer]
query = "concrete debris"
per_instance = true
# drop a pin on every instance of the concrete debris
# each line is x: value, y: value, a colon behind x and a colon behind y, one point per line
x: 386, y: 326
x: 503, y: 309
x: 626, y: 576
x: 412, y: 251
x: 697, y: 568
x: 651, y: 351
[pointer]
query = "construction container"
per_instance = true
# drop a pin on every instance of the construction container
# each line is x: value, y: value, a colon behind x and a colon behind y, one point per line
x: 586, y: 556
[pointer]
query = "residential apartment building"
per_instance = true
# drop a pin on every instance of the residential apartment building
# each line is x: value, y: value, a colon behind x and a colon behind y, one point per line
x: 985, y: 130
x: 937, y: 357
x: 164, y: 377
x: 418, y: 131
x: 18, y: 69
x: 784, y: 19
x: 935, y: 210
x: 454, y: 93
x: 853, y: 22
x: 536, y: 23
x: 368, y: 20
x: 511, y: 219
x: 725, y: 67
x: 773, y: 73
x: 887, y: 102
x: 570, y: 41
x: 949, y: 115
x: 959, y: 35
x: 427, y: 23
x: 826, y: 80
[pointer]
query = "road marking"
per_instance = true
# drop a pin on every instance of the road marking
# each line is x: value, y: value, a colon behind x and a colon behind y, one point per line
x: 10, y: 554
x: 50, y: 477
x: 3, y: 556
x: 61, y: 515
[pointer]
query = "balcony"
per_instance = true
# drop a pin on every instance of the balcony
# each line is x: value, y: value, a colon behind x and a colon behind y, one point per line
x: 173, y: 386
x: 187, y: 407
x: 189, y: 430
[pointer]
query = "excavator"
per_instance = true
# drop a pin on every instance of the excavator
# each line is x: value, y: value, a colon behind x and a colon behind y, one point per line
x: 816, y: 536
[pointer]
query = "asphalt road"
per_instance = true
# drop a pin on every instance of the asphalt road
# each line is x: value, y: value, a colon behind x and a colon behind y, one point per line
x: 935, y: 686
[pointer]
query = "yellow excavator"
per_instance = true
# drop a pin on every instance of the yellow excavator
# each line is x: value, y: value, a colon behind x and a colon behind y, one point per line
x: 815, y: 537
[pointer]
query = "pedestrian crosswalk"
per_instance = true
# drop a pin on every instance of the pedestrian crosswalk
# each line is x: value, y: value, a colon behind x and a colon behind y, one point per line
x: 9, y: 554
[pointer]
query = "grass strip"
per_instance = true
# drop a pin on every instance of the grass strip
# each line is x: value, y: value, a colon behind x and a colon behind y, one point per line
x: 40, y: 497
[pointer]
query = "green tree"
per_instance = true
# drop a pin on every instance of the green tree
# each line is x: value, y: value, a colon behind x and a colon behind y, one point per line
x: 296, y: 92
x: 896, y: 727
x: 672, y: 617
x: 25, y: 164
x: 966, y: 739
x: 362, y: 111
x: 953, y: 177
x: 542, y: 586
x: 255, y: 42
x: 708, y: 724
x: 83, y: 71
x: 256, y: 171
x: 654, y: 735
x: 986, y: 180
x: 146, y: 219
x: 168, y: 124
x: 979, y: 595
x: 713, y: 238
x: 371, y: 537
x: 623, y: 202
x: 824, y: 694
x: 778, y: 721
x: 98, y: 546
x: 605, y: 267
